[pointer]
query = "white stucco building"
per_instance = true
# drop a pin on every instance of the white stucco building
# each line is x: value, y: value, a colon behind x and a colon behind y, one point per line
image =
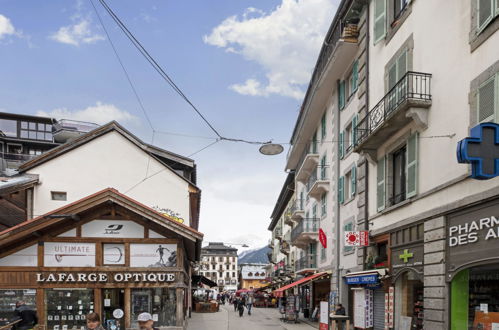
x: 219, y: 263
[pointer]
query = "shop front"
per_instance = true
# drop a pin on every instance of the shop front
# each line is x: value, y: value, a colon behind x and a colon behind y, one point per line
x: 407, y: 256
x: 107, y: 255
x: 472, y: 267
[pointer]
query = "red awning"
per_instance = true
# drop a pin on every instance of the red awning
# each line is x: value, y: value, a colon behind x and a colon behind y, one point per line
x: 280, y: 292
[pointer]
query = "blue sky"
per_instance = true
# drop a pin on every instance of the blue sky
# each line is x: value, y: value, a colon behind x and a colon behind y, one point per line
x: 244, y: 63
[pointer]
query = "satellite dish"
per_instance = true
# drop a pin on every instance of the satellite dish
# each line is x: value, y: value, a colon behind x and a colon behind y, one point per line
x: 271, y: 149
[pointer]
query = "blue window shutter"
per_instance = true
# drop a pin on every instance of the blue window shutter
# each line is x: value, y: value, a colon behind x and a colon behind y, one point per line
x: 354, y: 180
x: 355, y: 76
x: 341, y: 144
x: 355, y: 120
x: 341, y: 94
x: 379, y: 20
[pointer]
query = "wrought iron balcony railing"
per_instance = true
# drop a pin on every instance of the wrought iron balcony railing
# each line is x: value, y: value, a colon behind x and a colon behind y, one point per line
x: 308, y: 261
x: 413, y: 86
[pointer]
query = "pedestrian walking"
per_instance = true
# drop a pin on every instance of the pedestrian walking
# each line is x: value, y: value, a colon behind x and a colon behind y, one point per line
x: 235, y: 301
x: 250, y: 301
x: 27, y: 315
x: 240, y: 307
x: 94, y: 322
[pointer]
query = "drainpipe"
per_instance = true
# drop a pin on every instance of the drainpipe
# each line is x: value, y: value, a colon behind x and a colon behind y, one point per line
x: 366, y: 164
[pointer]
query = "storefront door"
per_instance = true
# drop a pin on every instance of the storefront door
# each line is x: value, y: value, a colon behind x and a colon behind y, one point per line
x: 113, y: 309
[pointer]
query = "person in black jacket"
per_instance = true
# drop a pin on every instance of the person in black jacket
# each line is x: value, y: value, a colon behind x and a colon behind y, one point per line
x: 240, y: 306
x: 27, y: 315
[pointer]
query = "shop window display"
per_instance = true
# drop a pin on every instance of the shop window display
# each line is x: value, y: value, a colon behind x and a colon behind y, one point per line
x: 475, y: 298
x: 409, y: 308
x: 161, y: 303
x: 67, y: 308
x: 8, y: 299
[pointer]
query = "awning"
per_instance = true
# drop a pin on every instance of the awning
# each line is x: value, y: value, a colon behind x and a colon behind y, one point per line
x: 280, y: 292
x: 197, y: 279
x: 365, y: 277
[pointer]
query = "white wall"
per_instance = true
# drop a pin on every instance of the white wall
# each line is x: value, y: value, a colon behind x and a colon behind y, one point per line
x: 109, y: 161
x: 441, y: 47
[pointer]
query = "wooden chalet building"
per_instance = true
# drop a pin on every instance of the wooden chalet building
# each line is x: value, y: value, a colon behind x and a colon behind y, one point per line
x: 105, y: 253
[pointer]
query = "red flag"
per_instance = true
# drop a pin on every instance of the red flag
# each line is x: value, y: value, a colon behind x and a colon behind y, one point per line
x: 322, y: 238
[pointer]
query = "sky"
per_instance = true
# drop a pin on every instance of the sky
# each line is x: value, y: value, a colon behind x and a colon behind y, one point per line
x: 245, y: 64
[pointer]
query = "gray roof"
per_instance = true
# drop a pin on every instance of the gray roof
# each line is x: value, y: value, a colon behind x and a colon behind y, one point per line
x: 17, y: 182
x: 218, y: 246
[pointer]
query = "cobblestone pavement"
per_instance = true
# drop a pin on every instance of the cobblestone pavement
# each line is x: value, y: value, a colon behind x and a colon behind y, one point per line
x: 227, y: 319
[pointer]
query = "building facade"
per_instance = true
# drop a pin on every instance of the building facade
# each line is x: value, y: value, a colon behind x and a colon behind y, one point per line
x: 219, y: 263
x: 252, y: 275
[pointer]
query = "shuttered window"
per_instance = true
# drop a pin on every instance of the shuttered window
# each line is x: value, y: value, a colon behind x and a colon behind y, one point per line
x: 324, y: 204
x: 379, y: 20
x: 354, y: 129
x: 397, y: 70
x: 353, y: 189
x: 412, y: 166
x: 341, y: 145
x: 355, y: 77
x: 381, y: 184
x: 488, y: 99
x: 346, y: 228
x: 341, y: 189
x: 323, y: 168
x: 341, y: 94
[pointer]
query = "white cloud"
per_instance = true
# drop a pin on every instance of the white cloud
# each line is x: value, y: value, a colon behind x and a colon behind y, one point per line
x: 285, y: 42
x: 100, y: 113
x: 76, y: 34
x: 6, y: 27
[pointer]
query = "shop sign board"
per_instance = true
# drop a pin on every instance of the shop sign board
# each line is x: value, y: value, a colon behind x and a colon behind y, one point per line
x: 101, y: 277
x: 363, y: 279
x: 481, y: 151
x: 357, y: 238
x: 27, y: 257
x: 153, y: 255
x: 324, y: 316
x: 363, y: 308
x: 389, y: 308
x: 409, y: 255
x: 472, y: 235
x: 64, y: 254
x: 112, y: 229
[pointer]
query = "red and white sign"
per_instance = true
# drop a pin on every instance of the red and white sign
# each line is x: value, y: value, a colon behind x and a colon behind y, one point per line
x: 391, y: 297
x: 324, y: 316
x: 356, y: 238
x: 322, y: 238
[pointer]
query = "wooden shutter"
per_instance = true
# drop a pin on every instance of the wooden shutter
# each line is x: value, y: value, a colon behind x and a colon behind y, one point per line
x: 497, y: 7
x: 355, y: 76
x: 402, y: 65
x: 341, y: 197
x: 379, y: 20
x: 341, y: 95
x: 354, y: 180
x: 485, y: 12
x: 323, y: 168
x: 355, y: 120
x: 323, y: 127
x: 392, y: 76
x: 341, y: 144
x: 411, y: 166
x: 487, y: 100
x: 381, y: 184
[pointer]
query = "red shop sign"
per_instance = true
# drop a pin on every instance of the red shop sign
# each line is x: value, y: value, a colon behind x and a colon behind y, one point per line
x: 322, y: 238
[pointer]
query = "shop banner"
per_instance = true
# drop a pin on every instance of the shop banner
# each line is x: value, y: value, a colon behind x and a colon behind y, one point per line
x: 322, y: 238
x: 113, y: 229
x: 153, y: 255
x: 391, y: 302
x: 324, y: 316
x: 66, y: 254
x: 357, y: 238
x: 363, y: 279
x: 359, y: 308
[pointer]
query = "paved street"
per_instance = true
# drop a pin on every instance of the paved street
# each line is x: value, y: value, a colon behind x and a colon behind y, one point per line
x: 226, y: 318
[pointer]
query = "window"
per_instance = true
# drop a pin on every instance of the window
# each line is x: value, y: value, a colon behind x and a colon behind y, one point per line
x: 488, y: 100
x: 323, y: 127
x: 379, y: 20
x: 314, y: 211
x: 58, y: 195
x: 399, y: 6
x: 346, y: 228
x: 347, y: 137
x: 347, y: 186
x: 354, y: 78
x: 341, y: 192
x: 401, y: 168
x: 341, y: 145
x: 323, y: 253
x: 8, y: 127
x: 487, y: 11
x: 233, y: 274
x: 160, y: 302
x: 323, y: 204
x: 36, y: 131
x: 353, y: 137
x: 341, y: 94
x: 323, y: 168
x: 397, y: 70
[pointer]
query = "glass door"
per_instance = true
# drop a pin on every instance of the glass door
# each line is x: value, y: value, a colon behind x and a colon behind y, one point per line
x: 113, y: 309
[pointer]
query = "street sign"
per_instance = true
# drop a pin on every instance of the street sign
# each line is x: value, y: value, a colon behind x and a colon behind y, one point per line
x: 481, y: 150
x: 356, y: 238
x: 322, y: 238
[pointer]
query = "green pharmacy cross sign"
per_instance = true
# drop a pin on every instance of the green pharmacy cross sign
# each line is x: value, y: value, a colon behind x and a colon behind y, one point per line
x: 406, y: 255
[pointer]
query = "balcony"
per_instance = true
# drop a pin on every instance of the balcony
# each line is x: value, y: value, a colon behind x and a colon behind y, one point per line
x: 285, y: 247
x: 305, y: 232
x: 307, y: 263
x: 287, y: 217
x: 65, y: 130
x: 278, y: 233
x: 309, y: 161
x: 407, y: 101
x: 297, y: 210
x: 318, y: 183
